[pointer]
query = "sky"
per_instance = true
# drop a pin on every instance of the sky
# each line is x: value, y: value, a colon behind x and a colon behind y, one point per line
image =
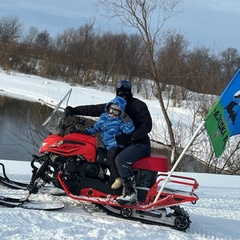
x: 205, y: 23
x: 216, y: 216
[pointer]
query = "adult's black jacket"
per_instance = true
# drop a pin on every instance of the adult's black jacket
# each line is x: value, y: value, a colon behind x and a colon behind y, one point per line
x: 137, y: 111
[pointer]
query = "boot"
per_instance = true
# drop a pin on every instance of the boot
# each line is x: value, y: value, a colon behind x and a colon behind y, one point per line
x: 117, y: 184
x: 129, y: 195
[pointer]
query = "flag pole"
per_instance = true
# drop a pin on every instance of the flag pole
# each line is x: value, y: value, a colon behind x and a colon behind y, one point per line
x: 178, y: 160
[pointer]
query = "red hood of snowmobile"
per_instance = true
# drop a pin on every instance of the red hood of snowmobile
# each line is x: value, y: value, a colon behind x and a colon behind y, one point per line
x: 70, y: 145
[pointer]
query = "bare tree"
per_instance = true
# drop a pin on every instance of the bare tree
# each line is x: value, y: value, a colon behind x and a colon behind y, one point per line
x: 31, y: 36
x: 172, y: 65
x: 43, y: 40
x: 78, y: 45
x: 10, y: 29
x: 10, y: 32
x: 230, y: 63
x: 110, y: 55
x: 148, y: 17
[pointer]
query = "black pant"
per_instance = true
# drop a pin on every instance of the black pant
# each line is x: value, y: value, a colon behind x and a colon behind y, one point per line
x: 128, y: 156
x: 111, y: 155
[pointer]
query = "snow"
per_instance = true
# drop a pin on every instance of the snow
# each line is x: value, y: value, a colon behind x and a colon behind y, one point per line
x: 215, y: 216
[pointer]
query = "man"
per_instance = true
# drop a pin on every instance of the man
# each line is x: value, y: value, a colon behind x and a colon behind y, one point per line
x: 137, y: 143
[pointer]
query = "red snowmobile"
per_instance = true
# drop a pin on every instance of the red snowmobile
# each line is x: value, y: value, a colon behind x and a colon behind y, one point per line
x: 73, y: 162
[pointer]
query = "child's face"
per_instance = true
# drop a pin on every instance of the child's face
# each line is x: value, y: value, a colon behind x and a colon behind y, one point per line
x: 114, y: 110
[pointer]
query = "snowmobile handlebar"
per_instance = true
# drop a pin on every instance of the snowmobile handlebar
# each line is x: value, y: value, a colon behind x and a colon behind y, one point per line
x: 70, y: 122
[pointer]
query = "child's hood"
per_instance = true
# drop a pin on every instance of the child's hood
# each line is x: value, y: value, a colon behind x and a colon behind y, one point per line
x: 121, y: 102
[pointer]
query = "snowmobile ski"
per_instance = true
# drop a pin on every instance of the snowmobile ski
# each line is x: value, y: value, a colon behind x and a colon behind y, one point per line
x: 29, y: 204
x: 51, y: 190
x: 12, y: 184
x: 4, y: 180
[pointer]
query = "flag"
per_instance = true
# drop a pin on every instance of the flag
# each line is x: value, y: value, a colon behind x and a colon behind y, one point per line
x: 223, y: 119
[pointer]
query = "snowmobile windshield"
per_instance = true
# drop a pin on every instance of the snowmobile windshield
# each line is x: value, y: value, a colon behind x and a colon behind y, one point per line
x: 54, y: 122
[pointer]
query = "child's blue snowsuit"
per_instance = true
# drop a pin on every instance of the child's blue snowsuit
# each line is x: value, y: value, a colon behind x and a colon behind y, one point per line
x: 110, y: 126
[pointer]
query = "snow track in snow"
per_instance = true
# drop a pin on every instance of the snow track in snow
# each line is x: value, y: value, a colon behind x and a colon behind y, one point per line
x: 216, y: 216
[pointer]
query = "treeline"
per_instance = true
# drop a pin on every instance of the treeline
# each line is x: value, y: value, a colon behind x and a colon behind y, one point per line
x: 88, y: 57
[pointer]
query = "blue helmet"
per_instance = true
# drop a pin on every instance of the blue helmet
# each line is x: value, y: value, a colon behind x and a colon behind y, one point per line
x: 124, y: 88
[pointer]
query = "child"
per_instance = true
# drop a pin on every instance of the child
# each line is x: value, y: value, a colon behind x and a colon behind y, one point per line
x: 112, y: 122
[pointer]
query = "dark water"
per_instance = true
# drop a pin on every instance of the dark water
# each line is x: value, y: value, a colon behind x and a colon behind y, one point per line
x: 21, y: 129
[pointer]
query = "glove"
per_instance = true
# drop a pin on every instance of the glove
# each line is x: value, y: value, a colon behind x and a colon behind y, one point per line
x: 125, y: 118
x: 124, y: 139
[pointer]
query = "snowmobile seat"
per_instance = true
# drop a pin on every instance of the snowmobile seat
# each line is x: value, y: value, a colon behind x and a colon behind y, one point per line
x: 154, y: 162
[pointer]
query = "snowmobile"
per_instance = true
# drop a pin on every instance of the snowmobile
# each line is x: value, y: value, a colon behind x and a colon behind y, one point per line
x: 74, y: 161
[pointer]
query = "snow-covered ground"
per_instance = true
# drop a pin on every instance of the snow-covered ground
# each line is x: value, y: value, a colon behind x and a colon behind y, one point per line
x: 215, y: 216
